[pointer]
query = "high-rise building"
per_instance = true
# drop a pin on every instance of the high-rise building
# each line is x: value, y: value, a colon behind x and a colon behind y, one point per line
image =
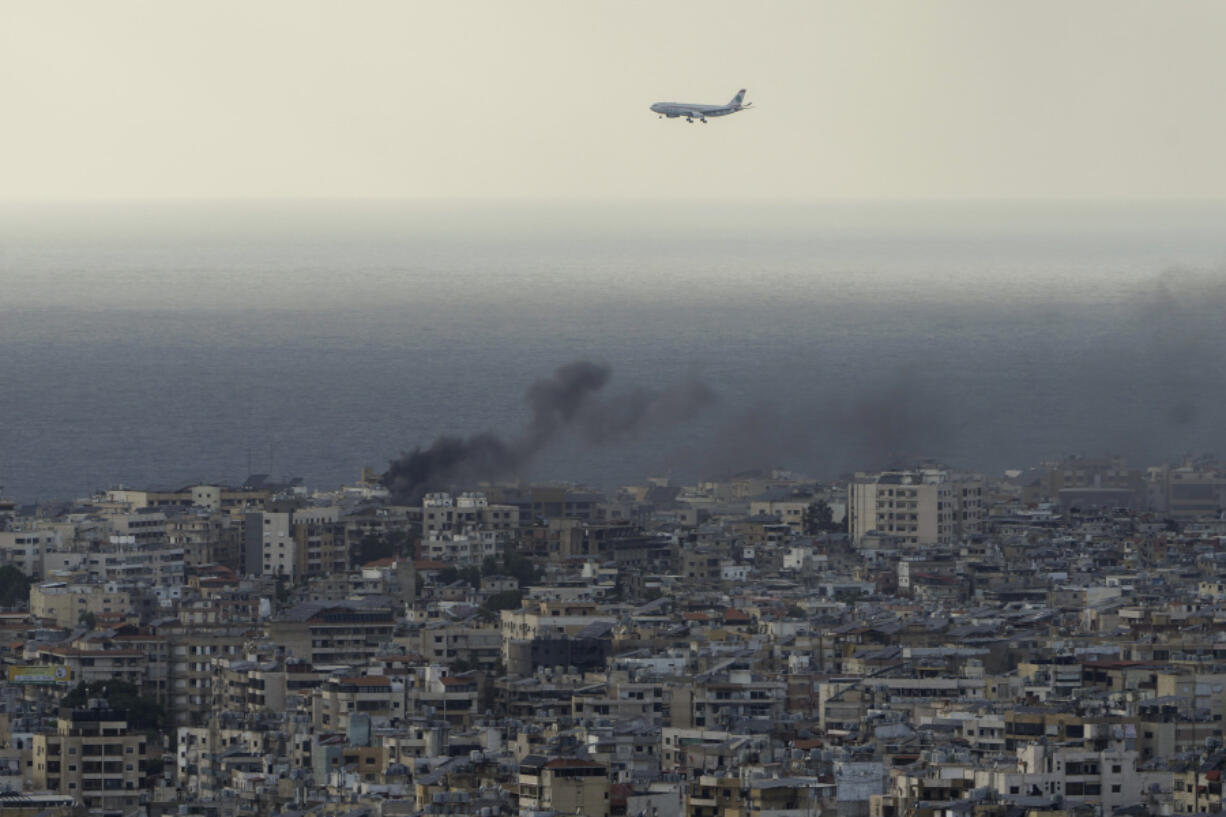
x: 919, y: 507
x: 92, y: 755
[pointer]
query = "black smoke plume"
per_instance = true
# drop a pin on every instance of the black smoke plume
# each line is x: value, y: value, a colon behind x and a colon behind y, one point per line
x: 566, y: 401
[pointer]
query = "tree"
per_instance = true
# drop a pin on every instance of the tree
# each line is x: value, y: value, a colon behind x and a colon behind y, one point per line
x: 375, y: 546
x: 282, y: 589
x: 14, y: 587
x: 522, y: 568
x: 145, y: 714
x: 472, y: 575
x: 819, y: 518
x: 506, y: 600
x: 87, y: 619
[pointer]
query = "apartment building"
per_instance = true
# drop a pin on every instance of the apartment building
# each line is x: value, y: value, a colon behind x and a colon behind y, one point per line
x: 25, y: 549
x: 92, y: 756
x: 455, y: 643
x: 90, y: 665
x: 66, y: 604
x: 443, y: 513
x: 921, y: 507
x: 370, y: 695
x: 549, y: 622
x: 341, y: 632
x: 563, y: 785
x: 152, y: 567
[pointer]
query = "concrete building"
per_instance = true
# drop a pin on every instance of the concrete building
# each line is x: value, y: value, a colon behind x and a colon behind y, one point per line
x: 26, y: 549
x: 342, y: 632
x: 564, y: 785
x: 1188, y: 491
x: 443, y: 513
x: 66, y: 604
x: 921, y: 507
x: 93, y: 756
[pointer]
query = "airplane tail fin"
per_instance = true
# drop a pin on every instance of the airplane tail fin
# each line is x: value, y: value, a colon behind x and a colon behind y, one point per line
x: 736, y: 100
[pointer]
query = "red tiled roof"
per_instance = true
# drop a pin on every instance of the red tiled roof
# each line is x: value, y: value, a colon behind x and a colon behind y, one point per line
x: 618, y: 792
x: 218, y: 581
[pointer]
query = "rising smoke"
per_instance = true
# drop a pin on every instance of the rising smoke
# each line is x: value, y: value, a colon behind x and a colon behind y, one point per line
x: 567, y: 401
x: 1141, y: 374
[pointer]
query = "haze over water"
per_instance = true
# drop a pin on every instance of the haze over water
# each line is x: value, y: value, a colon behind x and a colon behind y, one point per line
x: 162, y: 344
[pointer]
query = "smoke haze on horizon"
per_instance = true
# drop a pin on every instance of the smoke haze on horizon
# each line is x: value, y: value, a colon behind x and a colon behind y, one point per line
x: 835, y: 338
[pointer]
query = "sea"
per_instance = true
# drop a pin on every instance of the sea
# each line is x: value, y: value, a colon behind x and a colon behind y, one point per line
x: 156, y: 344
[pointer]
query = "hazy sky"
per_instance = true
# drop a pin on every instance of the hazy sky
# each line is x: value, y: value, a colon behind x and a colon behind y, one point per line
x: 549, y: 98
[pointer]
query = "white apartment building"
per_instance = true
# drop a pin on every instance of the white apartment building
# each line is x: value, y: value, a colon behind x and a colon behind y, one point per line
x: 441, y: 512
x: 920, y: 507
x: 467, y: 548
x: 161, y: 567
x: 25, y: 549
x: 278, y: 547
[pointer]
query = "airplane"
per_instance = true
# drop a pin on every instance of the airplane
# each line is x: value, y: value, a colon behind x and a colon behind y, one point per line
x: 700, y: 112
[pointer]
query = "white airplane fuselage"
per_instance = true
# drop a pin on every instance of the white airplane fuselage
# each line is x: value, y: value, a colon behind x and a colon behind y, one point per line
x: 691, y: 111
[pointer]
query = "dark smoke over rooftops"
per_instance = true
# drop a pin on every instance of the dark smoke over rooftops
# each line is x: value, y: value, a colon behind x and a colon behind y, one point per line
x: 569, y: 400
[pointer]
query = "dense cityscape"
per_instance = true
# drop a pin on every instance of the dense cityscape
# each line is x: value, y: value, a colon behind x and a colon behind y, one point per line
x: 908, y: 643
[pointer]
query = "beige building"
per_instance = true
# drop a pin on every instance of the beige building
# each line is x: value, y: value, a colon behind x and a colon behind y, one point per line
x: 563, y: 785
x: 442, y: 513
x: 922, y: 507
x: 371, y: 695
x: 198, y: 534
x: 449, y: 643
x: 321, y: 548
x: 1188, y: 491
x: 279, y: 548
x: 65, y: 604
x: 93, y: 756
x: 790, y: 511
x: 25, y: 549
x: 88, y: 666
x: 193, y: 676
x: 209, y: 497
x: 342, y: 632
x: 548, y: 620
